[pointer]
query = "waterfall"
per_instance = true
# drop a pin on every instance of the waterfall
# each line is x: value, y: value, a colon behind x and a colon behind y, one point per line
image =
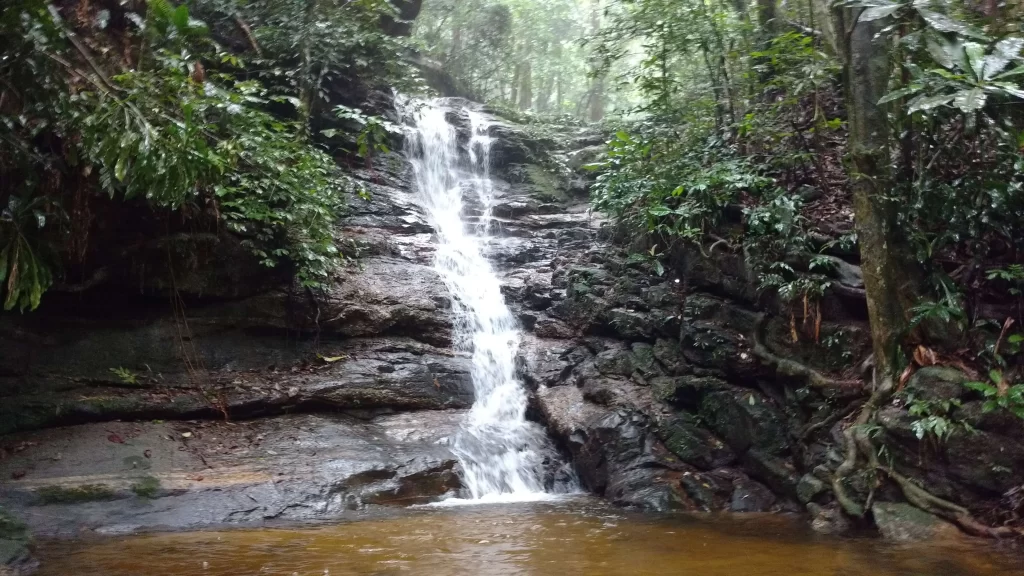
x: 503, y: 455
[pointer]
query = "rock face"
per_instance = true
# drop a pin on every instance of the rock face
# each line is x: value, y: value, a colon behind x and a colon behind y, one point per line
x: 119, y: 477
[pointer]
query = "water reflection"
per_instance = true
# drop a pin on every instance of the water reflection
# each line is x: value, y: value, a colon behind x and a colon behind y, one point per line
x: 574, y: 537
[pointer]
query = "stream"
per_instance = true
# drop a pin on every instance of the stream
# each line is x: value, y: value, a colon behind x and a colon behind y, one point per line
x: 574, y: 535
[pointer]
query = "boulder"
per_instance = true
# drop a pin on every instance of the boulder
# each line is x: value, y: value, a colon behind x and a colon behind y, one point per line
x: 901, y: 522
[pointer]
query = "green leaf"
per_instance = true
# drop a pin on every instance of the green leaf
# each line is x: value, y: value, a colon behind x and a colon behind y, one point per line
x: 622, y: 135
x: 1013, y: 339
x: 1015, y: 72
x: 1010, y: 89
x: 976, y: 59
x: 946, y: 54
x: 180, y: 18
x: 658, y: 268
x: 879, y: 12
x: 1005, y: 51
x: 970, y: 100
x: 902, y: 92
x: 995, y: 375
x: 121, y: 168
x: 4, y: 254
x: 925, y: 103
x: 944, y: 23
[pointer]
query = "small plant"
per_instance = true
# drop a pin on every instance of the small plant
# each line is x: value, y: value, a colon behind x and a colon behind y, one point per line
x: 652, y: 257
x: 126, y: 376
x: 1013, y: 274
x: 374, y: 132
x: 933, y: 418
x: 999, y: 393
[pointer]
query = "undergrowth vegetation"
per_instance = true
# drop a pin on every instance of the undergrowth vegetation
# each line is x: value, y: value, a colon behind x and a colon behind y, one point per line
x: 150, y: 106
x: 887, y: 134
x: 743, y: 144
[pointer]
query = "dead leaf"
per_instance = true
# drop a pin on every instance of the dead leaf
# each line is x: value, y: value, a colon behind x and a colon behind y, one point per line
x: 194, y: 477
x: 817, y: 322
x: 148, y: 453
x: 924, y: 356
x: 186, y: 434
x: 905, y: 376
x: 18, y: 475
x: 115, y: 439
x: 792, y: 328
x: 437, y: 384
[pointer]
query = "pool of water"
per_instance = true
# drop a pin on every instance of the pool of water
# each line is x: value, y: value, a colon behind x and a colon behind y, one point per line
x: 574, y: 536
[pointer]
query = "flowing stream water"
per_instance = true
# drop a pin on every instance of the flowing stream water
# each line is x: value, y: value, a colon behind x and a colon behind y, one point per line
x: 503, y: 455
x: 572, y: 536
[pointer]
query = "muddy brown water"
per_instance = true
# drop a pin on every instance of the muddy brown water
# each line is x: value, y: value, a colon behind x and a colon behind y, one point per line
x: 577, y: 536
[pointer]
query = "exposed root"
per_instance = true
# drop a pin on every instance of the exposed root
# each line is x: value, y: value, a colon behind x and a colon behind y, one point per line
x: 794, y: 369
x: 858, y: 444
x: 828, y: 422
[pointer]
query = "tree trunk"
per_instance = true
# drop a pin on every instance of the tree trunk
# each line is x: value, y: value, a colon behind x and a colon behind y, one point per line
x: 558, y: 94
x: 514, y: 96
x: 597, y: 88
x: 768, y: 17
x: 307, y: 90
x: 455, y: 56
x: 526, y: 87
x: 890, y: 272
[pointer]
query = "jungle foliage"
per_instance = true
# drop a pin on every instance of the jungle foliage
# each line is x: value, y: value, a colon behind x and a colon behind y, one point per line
x: 795, y: 134
x: 210, y: 119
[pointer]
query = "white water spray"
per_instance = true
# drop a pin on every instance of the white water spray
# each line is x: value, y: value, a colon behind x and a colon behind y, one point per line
x: 504, y: 456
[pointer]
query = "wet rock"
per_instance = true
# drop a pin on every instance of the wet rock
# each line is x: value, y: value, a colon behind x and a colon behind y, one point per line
x: 936, y: 383
x: 376, y: 374
x: 612, y: 450
x: 668, y: 354
x: 749, y: 496
x: 828, y: 519
x: 904, y: 523
x: 809, y: 488
x: 15, y: 546
x: 292, y: 467
x: 685, y: 438
x: 777, y: 473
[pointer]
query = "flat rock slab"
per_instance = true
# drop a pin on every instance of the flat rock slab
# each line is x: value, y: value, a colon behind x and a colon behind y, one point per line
x: 120, y: 477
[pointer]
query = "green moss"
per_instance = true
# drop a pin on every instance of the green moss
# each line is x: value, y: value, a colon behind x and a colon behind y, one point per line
x: 11, y: 528
x: 546, y: 186
x: 147, y: 487
x: 74, y: 494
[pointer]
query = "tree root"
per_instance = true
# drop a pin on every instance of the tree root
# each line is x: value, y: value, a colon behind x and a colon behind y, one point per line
x: 794, y: 369
x: 859, y: 444
x: 836, y: 416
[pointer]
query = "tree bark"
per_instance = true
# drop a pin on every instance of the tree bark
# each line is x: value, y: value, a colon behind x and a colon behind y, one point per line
x: 526, y: 87
x: 890, y: 272
x: 596, y: 113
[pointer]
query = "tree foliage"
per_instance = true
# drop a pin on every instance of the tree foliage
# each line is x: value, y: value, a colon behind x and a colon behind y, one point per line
x: 177, y: 120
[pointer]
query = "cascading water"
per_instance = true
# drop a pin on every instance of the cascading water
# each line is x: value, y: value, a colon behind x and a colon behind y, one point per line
x: 503, y: 455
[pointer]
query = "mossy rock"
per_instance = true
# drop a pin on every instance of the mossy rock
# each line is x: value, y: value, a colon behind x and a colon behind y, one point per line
x: 15, y: 541
x: 148, y: 487
x: 905, y: 523
x: 684, y: 437
x: 745, y: 419
x: 75, y: 494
